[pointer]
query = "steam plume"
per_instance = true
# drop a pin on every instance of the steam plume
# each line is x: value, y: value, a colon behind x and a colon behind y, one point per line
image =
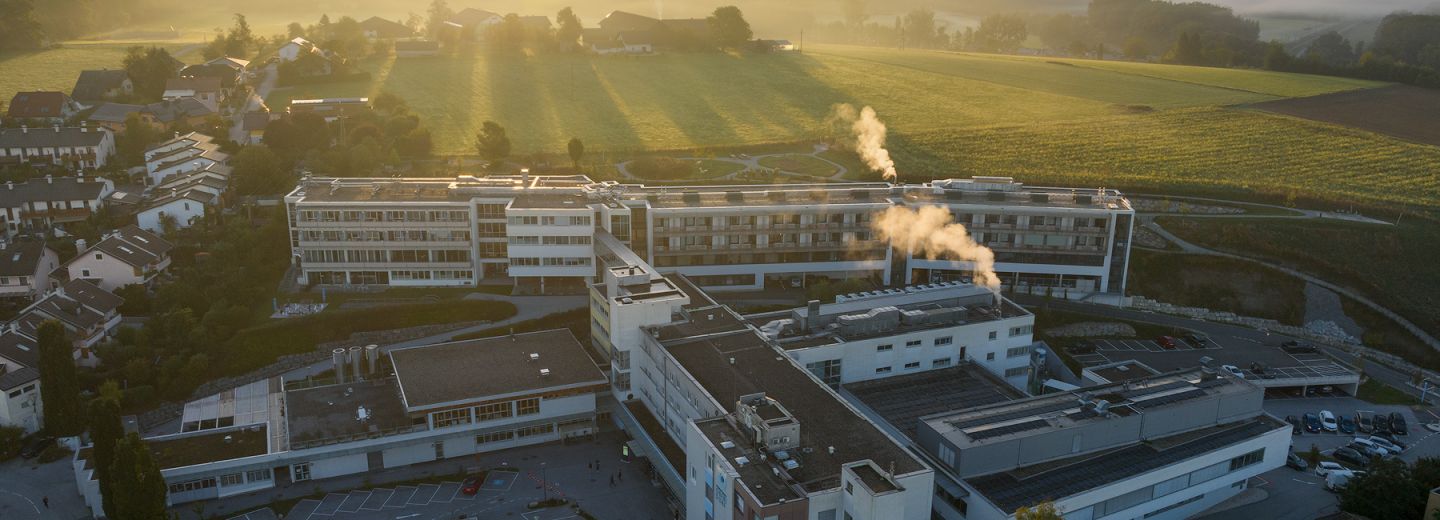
x: 869, y: 137
x: 931, y: 230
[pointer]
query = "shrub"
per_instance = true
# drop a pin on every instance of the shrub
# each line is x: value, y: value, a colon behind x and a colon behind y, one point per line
x: 54, y: 452
x: 11, y: 440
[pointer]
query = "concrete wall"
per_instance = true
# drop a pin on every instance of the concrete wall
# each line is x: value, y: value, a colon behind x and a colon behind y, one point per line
x: 24, y: 409
x: 111, y: 273
x: 337, y: 466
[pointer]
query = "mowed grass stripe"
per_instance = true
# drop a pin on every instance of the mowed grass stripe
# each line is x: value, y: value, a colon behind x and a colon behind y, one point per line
x: 1204, y: 149
x: 1055, y: 77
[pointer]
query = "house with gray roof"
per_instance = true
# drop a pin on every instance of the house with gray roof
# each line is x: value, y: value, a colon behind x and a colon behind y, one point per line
x: 20, y: 404
x: 72, y: 148
x: 38, y: 204
x: 183, y: 207
x: 25, y: 269
x: 88, y: 313
x: 126, y: 256
x: 94, y: 86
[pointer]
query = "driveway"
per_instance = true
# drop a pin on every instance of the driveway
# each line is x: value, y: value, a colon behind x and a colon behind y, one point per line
x: 24, y: 486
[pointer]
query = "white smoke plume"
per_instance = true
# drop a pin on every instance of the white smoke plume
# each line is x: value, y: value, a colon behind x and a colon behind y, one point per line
x: 869, y: 137
x: 932, y: 231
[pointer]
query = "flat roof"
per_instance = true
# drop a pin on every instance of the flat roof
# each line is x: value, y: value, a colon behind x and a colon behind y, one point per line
x: 332, y: 413
x: 189, y: 449
x: 735, y: 361
x: 1123, y: 371
x: 1057, y: 479
x: 438, y: 375
x: 903, y: 400
x: 668, y: 448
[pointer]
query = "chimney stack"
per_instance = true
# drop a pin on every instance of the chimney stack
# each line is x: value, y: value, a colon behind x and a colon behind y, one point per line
x: 337, y: 359
x: 372, y: 357
x: 356, y: 354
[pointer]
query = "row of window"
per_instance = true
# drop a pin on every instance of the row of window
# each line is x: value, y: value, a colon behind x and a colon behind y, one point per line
x: 567, y: 261
x: 384, y: 216
x: 1174, y: 485
x: 550, y: 241
x: 573, y: 220
x: 938, y: 342
x: 773, y: 220
x: 915, y: 365
x: 393, y: 235
x: 384, y: 277
x: 375, y: 256
x: 485, y: 412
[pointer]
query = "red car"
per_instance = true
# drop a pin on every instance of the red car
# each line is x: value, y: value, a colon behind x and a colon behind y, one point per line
x: 470, y: 486
x: 1166, y: 342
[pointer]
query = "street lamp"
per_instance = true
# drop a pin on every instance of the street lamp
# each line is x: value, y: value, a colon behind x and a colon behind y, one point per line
x: 544, y: 483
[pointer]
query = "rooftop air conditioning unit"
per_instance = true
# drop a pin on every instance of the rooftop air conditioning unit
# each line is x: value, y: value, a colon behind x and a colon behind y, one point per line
x: 534, y: 356
x: 544, y: 372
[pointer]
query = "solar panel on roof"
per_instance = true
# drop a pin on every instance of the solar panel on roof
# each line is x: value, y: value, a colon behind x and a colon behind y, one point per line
x: 1034, y: 424
x: 1172, y: 398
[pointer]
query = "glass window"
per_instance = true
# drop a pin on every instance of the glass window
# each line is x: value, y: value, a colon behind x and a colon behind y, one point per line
x: 490, y: 412
x: 884, y: 348
x: 233, y: 479
x: 944, y: 340
x: 449, y: 418
x: 529, y: 406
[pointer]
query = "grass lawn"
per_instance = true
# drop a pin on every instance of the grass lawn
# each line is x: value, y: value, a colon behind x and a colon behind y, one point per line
x: 1392, y: 265
x: 801, y: 164
x: 56, y: 69
x: 1217, y: 283
x: 706, y: 168
x: 1380, y: 393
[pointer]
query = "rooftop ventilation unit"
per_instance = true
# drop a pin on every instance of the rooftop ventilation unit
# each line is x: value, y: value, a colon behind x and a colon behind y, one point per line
x: 741, y: 461
x: 534, y: 357
x: 544, y: 372
x: 727, y: 444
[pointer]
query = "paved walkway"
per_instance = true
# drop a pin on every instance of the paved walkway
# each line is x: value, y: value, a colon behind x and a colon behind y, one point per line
x: 1297, y: 213
x: 25, y: 484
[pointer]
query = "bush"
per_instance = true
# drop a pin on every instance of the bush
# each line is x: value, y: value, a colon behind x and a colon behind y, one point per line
x: 139, y: 397
x: 54, y: 452
x: 11, y: 440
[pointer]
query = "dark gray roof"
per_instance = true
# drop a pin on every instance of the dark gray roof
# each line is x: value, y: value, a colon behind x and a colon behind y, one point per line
x: 482, y: 368
x: 133, y: 246
x: 259, y: 120
x: 92, y: 296
x: 203, y: 197
x: 1055, y: 480
x: 12, y: 379
x: 21, y: 258
x: 37, y: 137
x: 198, y: 84
x: 114, y: 112
x: 170, y: 111
x: 55, y: 189
x: 903, y: 400
x: 329, y: 412
x: 92, y: 84
x: 19, y: 349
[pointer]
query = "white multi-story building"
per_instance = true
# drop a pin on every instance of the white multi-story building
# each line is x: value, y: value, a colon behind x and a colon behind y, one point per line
x: 532, y: 231
x: 428, y: 403
x: 70, y: 147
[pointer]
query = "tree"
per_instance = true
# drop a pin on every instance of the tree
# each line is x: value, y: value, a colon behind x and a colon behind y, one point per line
x: 149, y: 69
x: 1041, y: 511
x: 295, y: 30
x: 854, y: 11
x: 567, y: 34
x: 105, y: 432
x: 18, y: 27
x: 1136, y: 49
x: 1313, y: 456
x: 438, y: 13
x: 1187, y: 50
x: 1275, y: 56
x: 577, y: 150
x: 1001, y: 33
x: 389, y: 103
x: 139, y: 487
x: 238, y: 42
x: 729, y: 28
x: 415, y: 23
x: 59, y: 386
x: 492, y: 143
x: 131, y: 144
x: 1332, y: 50
x: 258, y: 171
x: 1388, y: 489
x: 920, y: 28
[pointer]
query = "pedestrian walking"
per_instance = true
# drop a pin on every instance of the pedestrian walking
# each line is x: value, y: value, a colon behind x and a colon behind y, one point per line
x: 612, y: 481
x: 46, y: 501
x: 597, y: 464
x: 620, y: 474
x: 589, y: 465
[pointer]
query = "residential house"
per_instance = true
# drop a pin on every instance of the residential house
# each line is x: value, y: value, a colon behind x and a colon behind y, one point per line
x: 536, y: 23
x: 38, y: 204
x: 88, y: 313
x: 472, y: 23
x: 180, y: 155
x: 184, y: 206
x: 25, y: 269
x: 254, y: 125
x: 94, y: 86
x: 377, y: 28
x: 129, y: 255
x: 636, y: 42
x: 178, y: 142
x: 113, y: 116
x: 125, y: 200
x: 69, y: 147
x: 228, y: 75
x: 416, y: 48
x: 674, y: 31
x: 295, y: 48
x: 331, y: 108
x: 619, y: 21
x: 236, y: 64
x: 43, y: 108
x: 207, y: 90
x: 20, y: 404
x: 213, y: 180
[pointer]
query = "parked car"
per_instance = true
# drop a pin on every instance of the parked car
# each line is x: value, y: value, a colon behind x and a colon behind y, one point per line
x: 1294, y: 425
x: 1296, y: 461
x: 1397, y: 424
x: 1296, y: 347
x: 1197, y: 340
x: 1325, y: 467
x: 1363, y: 423
x: 36, y: 446
x: 470, y: 486
x: 1432, y: 426
x: 1388, y: 443
x: 1367, y: 448
x: 1166, y: 342
x: 1347, y: 425
x: 1234, y: 371
x: 1328, y: 422
x: 1351, y: 456
x: 1312, y: 423
x: 1382, y: 423
x: 1261, y: 370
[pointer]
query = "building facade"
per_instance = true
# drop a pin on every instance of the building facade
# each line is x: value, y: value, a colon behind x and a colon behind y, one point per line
x: 536, y: 231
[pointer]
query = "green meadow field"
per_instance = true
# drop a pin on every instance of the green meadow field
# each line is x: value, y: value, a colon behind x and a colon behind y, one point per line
x: 57, y: 68
x: 1063, y: 122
